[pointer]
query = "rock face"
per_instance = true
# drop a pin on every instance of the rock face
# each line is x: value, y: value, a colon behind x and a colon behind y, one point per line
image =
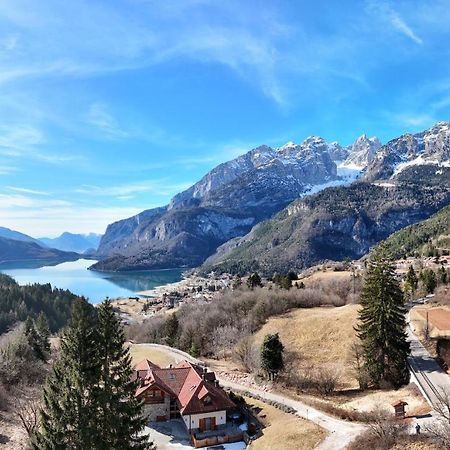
x: 362, y: 152
x: 406, y: 181
x: 227, y: 202
x: 430, y: 147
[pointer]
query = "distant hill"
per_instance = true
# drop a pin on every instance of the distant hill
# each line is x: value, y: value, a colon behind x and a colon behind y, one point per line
x: 426, y: 238
x: 11, y: 234
x: 12, y: 250
x: 70, y: 242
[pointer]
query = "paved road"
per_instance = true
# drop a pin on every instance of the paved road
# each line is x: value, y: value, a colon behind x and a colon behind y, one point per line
x: 432, y: 379
x: 340, y: 432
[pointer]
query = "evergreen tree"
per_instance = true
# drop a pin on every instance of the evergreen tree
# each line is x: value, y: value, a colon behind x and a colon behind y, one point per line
x: 382, y: 324
x: 171, y: 328
x: 411, y: 281
x: 272, y: 355
x: 429, y: 280
x: 43, y: 332
x: 254, y: 280
x: 68, y: 412
x: 33, y: 339
x: 119, y: 413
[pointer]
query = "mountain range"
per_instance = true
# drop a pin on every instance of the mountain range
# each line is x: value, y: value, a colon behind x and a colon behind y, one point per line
x: 16, y: 246
x: 289, y: 207
x: 70, y: 242
x: 227, y: 202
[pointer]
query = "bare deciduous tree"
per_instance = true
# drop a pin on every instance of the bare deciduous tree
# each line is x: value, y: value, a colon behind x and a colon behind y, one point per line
x: 27, y: 410
x: 440, y: 428
x: 385, y: 428
x: 246, y: 354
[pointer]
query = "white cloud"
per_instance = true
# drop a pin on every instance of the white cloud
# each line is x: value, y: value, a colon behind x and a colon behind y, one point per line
x: 26, y: 190
x: 99, y: 117
x: 52, y: 221
x: 159, y: 187
x: 385, y: 11
x: 401, y: 26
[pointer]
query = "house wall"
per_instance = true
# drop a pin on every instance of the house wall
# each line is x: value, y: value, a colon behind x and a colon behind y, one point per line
x: 221, y: 419
x: 154, y: 410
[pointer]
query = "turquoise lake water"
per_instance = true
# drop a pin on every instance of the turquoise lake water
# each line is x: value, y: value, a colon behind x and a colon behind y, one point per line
x: 93, y: 285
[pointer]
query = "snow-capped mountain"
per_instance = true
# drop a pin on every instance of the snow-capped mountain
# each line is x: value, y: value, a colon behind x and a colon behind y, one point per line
x: 406, y: 182
x: 236, y: 195
x: 429, y: 147
x: 362, y: 152
x: 225, y: 203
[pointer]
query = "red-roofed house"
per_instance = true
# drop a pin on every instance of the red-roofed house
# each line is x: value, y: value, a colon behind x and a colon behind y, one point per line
x: 184, y: 390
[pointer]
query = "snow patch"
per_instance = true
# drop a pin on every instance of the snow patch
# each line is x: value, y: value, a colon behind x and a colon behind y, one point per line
x: 419, y: 161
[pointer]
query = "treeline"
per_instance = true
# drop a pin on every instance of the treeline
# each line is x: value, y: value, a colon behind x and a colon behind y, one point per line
x: 216, y: 327
x: 19, y: 302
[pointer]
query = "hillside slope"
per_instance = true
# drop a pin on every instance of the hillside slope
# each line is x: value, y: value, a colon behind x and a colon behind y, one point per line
x: 12, y: 234
x: 423, y: 238
x: 12, y: 250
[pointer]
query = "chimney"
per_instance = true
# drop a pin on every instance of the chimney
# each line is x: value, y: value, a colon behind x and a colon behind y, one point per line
x: 216, y: 383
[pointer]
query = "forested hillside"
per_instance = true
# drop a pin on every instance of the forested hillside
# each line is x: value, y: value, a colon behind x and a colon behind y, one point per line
x: 19, y: 302
x: 427, y: 238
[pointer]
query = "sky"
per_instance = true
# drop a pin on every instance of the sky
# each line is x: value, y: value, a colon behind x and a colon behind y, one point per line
x: 111, y: 107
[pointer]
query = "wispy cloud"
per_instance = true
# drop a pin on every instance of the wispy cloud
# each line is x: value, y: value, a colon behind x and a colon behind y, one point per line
x: 27, y: 191
x: 387, y: 12
x: 52, y: 221
x: 126, y: 191
x: 101, y: 118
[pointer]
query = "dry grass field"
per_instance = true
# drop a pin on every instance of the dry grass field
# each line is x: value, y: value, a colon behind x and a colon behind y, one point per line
x: 318, y: 337
x: 285, y: 431
x: 159, y: 357
x: 323, y: 337
x: 321, y: 275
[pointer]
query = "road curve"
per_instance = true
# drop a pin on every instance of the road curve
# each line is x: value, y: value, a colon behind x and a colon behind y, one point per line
x: 340, y: 432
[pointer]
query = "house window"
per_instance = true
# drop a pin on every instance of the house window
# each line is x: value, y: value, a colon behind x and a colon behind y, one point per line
x: 207, y: 400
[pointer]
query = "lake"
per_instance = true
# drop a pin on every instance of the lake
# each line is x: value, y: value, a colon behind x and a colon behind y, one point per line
x: 95, y: 286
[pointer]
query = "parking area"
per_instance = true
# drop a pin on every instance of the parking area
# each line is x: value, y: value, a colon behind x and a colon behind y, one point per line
x: 172, y: 435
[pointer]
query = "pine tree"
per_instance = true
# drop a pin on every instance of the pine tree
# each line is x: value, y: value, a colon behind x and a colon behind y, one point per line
x: 429, y: 280
x: 272, y: 355
x: 171, y: 329
x: 33, y: 339
x: 411, y: 281
x: 382, y: 324
x: 43, y: 333
x: 68, y: 412
x: 119, y: 418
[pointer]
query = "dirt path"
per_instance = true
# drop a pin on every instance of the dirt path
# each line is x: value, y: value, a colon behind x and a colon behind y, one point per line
x: 340, y: 432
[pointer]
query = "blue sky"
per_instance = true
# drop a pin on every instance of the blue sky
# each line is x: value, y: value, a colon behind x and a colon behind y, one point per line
x: 111, y: 107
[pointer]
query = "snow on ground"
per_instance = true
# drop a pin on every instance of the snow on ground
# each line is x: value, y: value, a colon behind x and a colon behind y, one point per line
x: 347, y: 175
x: 384, y: 184
x: 419, y: 161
